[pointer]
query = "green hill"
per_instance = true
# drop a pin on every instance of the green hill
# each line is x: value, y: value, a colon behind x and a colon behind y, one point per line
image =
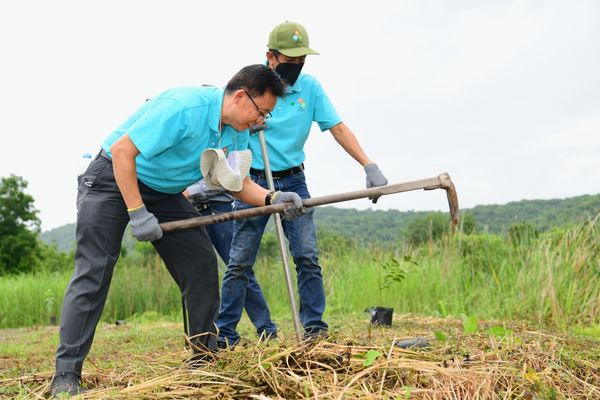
x: 378, y: 226
x: 370, y: 226
x: 63, y: 238
x: 543, y: 214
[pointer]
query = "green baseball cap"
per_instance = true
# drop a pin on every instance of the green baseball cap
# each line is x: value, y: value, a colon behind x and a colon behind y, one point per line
x: 290, y: 39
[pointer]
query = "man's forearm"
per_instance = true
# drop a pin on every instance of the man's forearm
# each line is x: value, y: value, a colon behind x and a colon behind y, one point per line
x: 123, y: 153
x: 252, y: 193
x: 344, y: 136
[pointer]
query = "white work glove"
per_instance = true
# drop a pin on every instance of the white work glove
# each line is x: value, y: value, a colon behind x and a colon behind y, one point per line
x: 295, y: 208
x: 197, y: 189
x: 200, y: 193
x: 374, y: 178
x: 144, y: 225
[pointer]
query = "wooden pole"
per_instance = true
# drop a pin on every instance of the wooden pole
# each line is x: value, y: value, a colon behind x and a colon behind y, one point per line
x: 441, y: 181
x: 281, y: 239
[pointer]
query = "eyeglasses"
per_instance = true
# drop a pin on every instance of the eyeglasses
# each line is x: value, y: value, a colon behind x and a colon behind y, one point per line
x: 265, y: 116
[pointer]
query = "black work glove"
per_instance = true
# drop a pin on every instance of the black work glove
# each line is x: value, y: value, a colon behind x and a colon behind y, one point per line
x: 295, y: 208
x: 144, y: 225
x: 374, y: 178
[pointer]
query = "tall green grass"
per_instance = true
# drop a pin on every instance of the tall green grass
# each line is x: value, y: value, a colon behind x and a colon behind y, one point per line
x: 34, y: 299
x: 551, y: 279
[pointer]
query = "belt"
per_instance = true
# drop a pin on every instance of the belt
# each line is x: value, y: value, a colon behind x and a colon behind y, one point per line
x: 201, y: 206
x: 205, y: 204
x: 279, y: 174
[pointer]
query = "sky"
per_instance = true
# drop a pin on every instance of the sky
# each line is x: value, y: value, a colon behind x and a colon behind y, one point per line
x: 502, y: 95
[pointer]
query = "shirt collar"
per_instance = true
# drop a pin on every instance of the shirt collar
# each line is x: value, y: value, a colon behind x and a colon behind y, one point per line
x: 216, y: 104
x: 296, y: 87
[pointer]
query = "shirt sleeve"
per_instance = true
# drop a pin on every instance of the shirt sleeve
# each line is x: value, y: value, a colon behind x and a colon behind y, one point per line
x: 159, y: 128
x: 325, y: 114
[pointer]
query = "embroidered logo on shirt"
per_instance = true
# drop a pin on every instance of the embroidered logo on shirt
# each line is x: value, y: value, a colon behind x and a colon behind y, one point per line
x: 301, y: 104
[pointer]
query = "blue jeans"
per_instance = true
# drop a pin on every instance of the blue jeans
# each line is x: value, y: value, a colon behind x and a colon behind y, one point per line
x: 256, y: 306
x: 302, y: 238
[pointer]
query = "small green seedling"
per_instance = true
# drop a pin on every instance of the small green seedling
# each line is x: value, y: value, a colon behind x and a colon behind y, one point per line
x: 469, y: 324
x: 407, y: 391
x: 370, y: 357
x: 440, y: 336
x: 499, y: 331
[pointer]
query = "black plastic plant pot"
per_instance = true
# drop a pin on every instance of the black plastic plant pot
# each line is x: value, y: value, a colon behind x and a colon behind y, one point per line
x: 381, y: 316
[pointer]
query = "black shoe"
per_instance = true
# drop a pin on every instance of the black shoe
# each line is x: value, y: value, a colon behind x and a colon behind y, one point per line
x: 67, y: 383
x: 226, y: 344
x: 200, y: 359
x: 313, y: 335
x: 267, y: 336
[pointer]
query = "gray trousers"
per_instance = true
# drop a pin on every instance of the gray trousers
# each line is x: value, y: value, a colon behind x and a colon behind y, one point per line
x: 101, y: 221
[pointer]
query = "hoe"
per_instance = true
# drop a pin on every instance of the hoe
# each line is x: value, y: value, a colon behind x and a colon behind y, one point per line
x: 441, y: 181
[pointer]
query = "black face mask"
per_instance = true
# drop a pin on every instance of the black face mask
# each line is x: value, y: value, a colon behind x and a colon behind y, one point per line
x: 289, y: 72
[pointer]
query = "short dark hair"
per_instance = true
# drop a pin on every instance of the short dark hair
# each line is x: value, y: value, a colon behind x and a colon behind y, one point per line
x: 256, y: 79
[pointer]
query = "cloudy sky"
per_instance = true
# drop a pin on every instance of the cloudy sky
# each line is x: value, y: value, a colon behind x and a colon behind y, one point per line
x: 503, y: 95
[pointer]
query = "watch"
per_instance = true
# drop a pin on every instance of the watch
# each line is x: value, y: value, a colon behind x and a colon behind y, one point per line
x: 269, y: 197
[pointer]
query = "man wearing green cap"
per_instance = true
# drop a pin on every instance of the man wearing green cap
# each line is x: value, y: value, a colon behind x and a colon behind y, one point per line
x: 303, y: 103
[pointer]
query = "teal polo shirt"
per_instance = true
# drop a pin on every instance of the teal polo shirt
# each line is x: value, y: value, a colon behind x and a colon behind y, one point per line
x: 287, y: 130
x: 171, y: 131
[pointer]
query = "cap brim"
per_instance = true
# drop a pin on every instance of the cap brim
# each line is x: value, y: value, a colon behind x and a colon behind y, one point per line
x: 298, y: 52
x: 208, y: 162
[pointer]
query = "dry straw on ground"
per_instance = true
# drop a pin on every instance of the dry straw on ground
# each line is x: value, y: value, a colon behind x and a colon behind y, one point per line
x: 523, y: 364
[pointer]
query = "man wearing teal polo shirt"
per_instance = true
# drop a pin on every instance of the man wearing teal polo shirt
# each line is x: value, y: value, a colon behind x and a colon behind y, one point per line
x: 303, y: 103
x: 137, y: 178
